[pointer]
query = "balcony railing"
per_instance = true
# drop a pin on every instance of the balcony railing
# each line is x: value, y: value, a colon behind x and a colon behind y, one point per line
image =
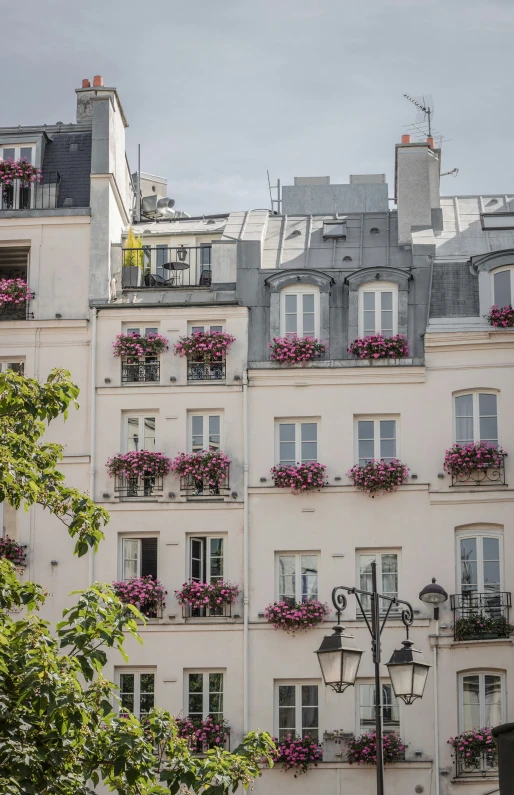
x: 206, y: 371
x: 140, y: 372
x: 480, y: 616
x: 200, y: 487
x: 38, y: 196
x: 164, y: 267
x: 494, y: 476
x: 137, y: 486
x: 224, y: 611
x: 16, y: 311
x: 484, y: 766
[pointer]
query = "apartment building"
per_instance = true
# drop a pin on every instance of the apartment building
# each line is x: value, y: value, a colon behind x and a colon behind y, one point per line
x: 337, y: 263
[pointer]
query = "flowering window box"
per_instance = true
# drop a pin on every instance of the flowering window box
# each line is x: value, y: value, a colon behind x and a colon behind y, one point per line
x: 296, y: 350
x: 501, y: 317
x: 378, y: 347
x: 207, y: 599
x: 204, y: 473
x: 298, y: 753
x: 138, y: 473
x: 203, y: 735
x: 15, y: 295
x: 294, y: 617
x: 18, y: 179
x: 363, y: 750
x: 475, y: 752
x: 481, y: 616
x: 477, y: 463
x: 145, y: 593
x: 378, y: 477
x: 300, y: 477
x: 12, y: 551
x: 140, y: 356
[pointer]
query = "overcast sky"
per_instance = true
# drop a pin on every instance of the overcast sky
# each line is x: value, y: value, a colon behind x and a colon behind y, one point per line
x: 218, y: 91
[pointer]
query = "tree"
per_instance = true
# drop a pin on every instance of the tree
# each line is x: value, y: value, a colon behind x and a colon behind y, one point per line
x: 134, y: 253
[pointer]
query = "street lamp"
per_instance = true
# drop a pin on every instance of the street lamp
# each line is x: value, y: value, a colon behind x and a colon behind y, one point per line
x: 433, y: 594
x: 339, y: 658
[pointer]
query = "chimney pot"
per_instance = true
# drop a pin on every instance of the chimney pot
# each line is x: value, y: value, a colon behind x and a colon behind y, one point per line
x: 405, y: 139
x: 98, y: 80
x: 86, y: 83
x: 430, y: 142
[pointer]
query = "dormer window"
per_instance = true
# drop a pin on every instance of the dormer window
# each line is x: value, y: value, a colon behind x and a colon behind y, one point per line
x: 503, y: 286
x: 378, y: 309
x: 299, y: 311
x: 16, y: 195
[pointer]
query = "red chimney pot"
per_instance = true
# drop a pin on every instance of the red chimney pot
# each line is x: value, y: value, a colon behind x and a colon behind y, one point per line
x: 98, y: 80
x: 430, y: 142
x: 86, y: 83
x: 405, y: 139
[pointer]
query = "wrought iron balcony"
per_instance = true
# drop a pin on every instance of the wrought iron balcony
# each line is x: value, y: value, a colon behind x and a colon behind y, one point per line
x: 206, y: 371
x: 165, y: 267
x: 137, y: 486
x: 42, y: 195
x: 200, y: 487
x: 493, y: 476
x: 224, y: 611
x: 141, y: 371
x: 9, y: 311
x: 485, y: 765
x: 481, y: 616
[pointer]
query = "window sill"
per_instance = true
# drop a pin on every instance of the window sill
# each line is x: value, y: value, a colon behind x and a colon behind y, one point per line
x: 336, y: 363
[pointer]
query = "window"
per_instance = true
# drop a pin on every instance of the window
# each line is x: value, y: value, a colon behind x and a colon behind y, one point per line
x: 161, y: 258
x: 17, y: 366
x: 18, y: 153
x: 16, y: 196
x: 297, y: 576
x: 376, y: 439
x: 299, y: 311
x: 143, y: 331
x: 378, y: 309
x: 481, y: 700
x: 387, y: 575
x: 14, y: 261
x: 479, y: 560
x: 204, y: 327
x: 366, y: 708
x: 205, y: 432
x: 206, y: 558
x: 503, y: 286
x: 139, y: 433
x: 297, y: 710
x: 204, y: 694
x: 476, y: 418
x: 138, y: 558
x: 137, y: 691
x: 205, y: 257
x: 297, y: 442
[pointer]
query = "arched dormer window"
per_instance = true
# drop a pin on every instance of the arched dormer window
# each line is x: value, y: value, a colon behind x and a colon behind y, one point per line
x: 378, y: 309
x: 503, y: 286
x: 299, y: 311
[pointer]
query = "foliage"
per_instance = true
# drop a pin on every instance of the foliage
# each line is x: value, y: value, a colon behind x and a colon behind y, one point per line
x: 14, y: 291
x: 296, y: 616
x: 204, y: 345
x: 296, y: 350
x: 11, y: 170
x: 134, y: 255
x: 202, y: 735
x: 464, y: 459
x: 378, y: 347
x: 28, y: 466
x: 298, y: 753
x: 501, y: 317
x: 474, y: 746
x: 10, y: 550
x: 477, y: 624
x: 208, y: 466
x: 213, y: 594
x: 363, y: 750
x: 300, y: 477
x: 378, y: 476
x: 145, y: 593
x: 139, y: 464
x: 134, y: 346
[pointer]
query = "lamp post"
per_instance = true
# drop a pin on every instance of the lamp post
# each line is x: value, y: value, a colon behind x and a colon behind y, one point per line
x: 339, y: 658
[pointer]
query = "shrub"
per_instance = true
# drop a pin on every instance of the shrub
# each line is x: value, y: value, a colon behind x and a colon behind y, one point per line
x: 378, y: 476
x: 209, y: 466
x: 14, y: 291
x: 298, y: 753
x: 134, y: 346
x: 475, y: 624
x: 363, y: 750
x: 300, y: 477
x: 296, y: 350
x: 145, y: 593
x: 134, y: 255
x: 377, y: 347
x: 501, y: 317
x: 11, y: 170
x: 464, y: 459
x: 203, y: 734
x: 12, y: 551
x: 296, y: 616
x: 474, y: 745
x: 207, y: 594
x: 139, y: 464
x: 205, y: 345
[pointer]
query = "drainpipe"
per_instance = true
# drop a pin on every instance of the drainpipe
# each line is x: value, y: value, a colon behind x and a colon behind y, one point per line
x: 92, y: 443
x: 246, y: 557
x: 436, y: 704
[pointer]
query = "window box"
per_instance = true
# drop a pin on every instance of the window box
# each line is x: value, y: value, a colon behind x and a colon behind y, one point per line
x: 296, y: 350
x: 145, y: 593
x: 138, y: 473
x: 501, y: 317
x: 376, y: 346
x: 300, y: 477
x: 363, y: 750
x: 207, y: 599
x: 14, y: 299
x: 203, y: 473
x: 133, y: 347
x: 476, y: 463
x: 475, y: 752
x: 203, y: 735
x: 292, y: 617
x: 298, y: 753
x: 378, y: 477
x: 204, y: 345
x: 12, y: 551
x: 481, y: 616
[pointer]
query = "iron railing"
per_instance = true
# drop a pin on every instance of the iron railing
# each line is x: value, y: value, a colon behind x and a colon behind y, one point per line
x: 485, y: 766
x: 141, y: 371
x: 200, y: 487
x: 164, y: 267
x: 206, y: 371
x: 479, y: 616
x: 37, y: 196
x: 16, y: 311
x: 137, y: 486
x: 224, y: 611
x: 494, y: 475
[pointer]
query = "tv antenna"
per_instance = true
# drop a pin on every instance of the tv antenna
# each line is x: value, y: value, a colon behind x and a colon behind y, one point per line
x: 278, y: 200
x: 425, y: 106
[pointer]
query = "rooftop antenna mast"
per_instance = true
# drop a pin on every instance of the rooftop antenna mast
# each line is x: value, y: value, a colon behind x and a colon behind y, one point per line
x: 278, y: 200
x: 425, y: 107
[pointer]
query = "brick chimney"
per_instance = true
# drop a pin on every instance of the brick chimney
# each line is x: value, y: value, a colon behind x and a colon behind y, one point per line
x: 417, y: 174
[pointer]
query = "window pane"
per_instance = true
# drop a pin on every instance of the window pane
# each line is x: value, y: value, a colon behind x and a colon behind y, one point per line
x: 488, y: 419
x: 367, y: 707
x: 197, y: 548
x: 151, y: 330
x: 214, y: 432
x: 309, y: 567
x: 286, y: 577
x: 470, y: 702
x: 196, y: 433
x: 491, y: 549
x: 147, y: 683
x: 491, y: 575
x: 493, y: 700
x: 464, y: 419
x: 365, y: 562
x: 195, y: 704
x: 390, y: 709
x: 502, y: 289
x: 195, y: 683
x: 309, y: 435
x: 291, y: 321
x: 26, y: 153
x: 390, y: 574
x: 368, y: 300
x: 130, y: 547
x: 127, y: 683
x: 8, y: 152
x: 468, y: 557
x: 286, y: 710
x: 386, y: 315
x: 308, y: 315
x: 366, y: 437
x: 133, y: 433
x: 149, y: 433
x: 287, y: 445
x: 387, y: 302
x: 387, y: 439
x: 216, y: 559
x: 146, y: 703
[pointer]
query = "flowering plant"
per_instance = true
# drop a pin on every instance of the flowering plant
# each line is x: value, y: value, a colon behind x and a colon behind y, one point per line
x: 296, y: 350
x: 139, y: 464
x: 209, y: 466
x: 203, y: 734
x: 475, y: 745
x: 378, y: 347
x: 377, y: 476
x: 300, y: 477
x: 207, y: 594
x: 10, y: 550
x: 463, y: 459
x: 363, y: 750
x: 11, y: 170
x: 145, y: 593
x: 205, y: 345
x: 134, y: 346
x: 502, y: 317
x: 298, y: 753
x: 296, y: 616
x: 474, y: 624
x: 14, y: 291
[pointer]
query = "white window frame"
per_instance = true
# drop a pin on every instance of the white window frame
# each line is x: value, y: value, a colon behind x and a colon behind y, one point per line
x: 297, y: 684
x: 359, y: 728
x: 121, y: 556
x: 378, y: 288
x: 378, y: 552
x: 481, y: 697
x: 137, y: 685
x: 4, y: 362
x: 199, y: 325
x: 205, y: 691
x: 478, y: 534
x: 300, y: 290
x: 500, y: 270
x: 141, y: 416
x: 17, y: 154
x: 298, y: 572
x: 143, y: 329
x: 205, y: 415
x: 476, y: 410
x: 297, y: 422
x: 376, y: 420
x: 206, y: 563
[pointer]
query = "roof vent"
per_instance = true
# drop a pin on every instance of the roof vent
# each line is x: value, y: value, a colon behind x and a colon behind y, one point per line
x: 74, y: 147
x: 67, y: 203
x: 347, y: 259
x: 374, y: 230
x: 334, y: 230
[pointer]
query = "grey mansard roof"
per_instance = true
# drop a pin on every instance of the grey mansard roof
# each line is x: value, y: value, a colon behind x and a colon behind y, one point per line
x: 69, y: 154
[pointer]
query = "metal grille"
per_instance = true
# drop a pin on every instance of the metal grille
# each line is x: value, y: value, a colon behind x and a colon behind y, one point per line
x: 483, y: 767
x: 198, y: 487
x: 482, y: 477
x: 478, y: 616
x: 15, y: 311
x: 38, y: 196
x: 137, y: 486
x: 206, y: 371
x: 140, y: 371
x: 207, y: 612
x: 165, y: 267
